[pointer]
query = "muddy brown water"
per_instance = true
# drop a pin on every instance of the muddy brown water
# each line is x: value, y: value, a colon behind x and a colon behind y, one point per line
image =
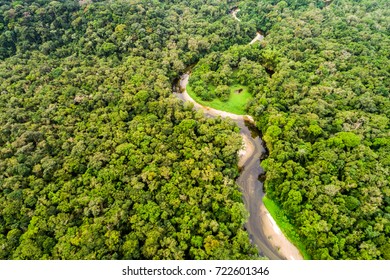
x: 250, y: 172
x: 261, y: 227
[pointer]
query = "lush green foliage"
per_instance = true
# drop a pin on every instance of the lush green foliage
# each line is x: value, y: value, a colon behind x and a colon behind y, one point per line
x: 325, y: 118
x: 236, y: 99
x: 97, y: 159
x: 216, y: 78
x: 324, y: 113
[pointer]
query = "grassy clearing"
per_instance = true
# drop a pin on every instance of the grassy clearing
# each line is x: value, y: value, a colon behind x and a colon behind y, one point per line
x: 285, y: 226
x: 236, y: 103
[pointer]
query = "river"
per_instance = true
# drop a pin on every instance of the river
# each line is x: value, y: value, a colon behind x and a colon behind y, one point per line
x: 262, y: 229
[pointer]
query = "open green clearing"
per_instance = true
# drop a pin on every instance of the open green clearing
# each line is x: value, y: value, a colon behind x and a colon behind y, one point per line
x: 285, y: 226
x: 236, y: 103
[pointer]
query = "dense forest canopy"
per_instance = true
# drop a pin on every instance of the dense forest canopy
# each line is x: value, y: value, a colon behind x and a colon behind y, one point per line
x: 99, y: 161
x: 214, y: 74
x: 325, y: 118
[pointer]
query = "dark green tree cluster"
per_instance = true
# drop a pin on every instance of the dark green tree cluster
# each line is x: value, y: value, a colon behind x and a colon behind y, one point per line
x: 173, y: 32
x: 215, y: 73
x: 97, y: 159
x: 325, y: 118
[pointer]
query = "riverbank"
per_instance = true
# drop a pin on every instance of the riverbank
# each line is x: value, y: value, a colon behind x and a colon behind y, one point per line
x: 281, y: 224
x: 258, y: 37
x: 245, y: 152
x: 261, y: 226
x: 208, y: 110
x: 235, y: 104
x: 234, y: 14
x: 275, y: 235
x: 264, y: 233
